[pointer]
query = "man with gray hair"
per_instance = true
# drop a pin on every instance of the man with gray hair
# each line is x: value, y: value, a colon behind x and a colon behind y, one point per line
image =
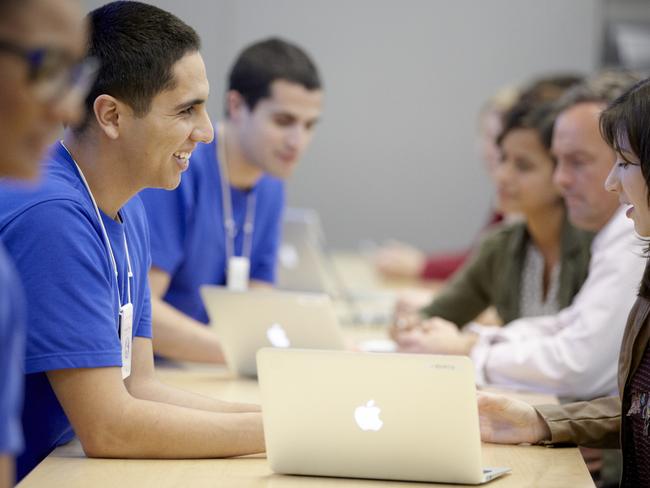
x: 574, y: 352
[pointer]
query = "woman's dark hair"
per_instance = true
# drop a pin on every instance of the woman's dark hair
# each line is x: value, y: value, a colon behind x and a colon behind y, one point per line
x: 535, y: 107
x: 526, y: 115
x: 627, y: 120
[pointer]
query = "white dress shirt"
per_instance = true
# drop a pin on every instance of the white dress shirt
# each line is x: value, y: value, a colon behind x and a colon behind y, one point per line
x: 573, y: 353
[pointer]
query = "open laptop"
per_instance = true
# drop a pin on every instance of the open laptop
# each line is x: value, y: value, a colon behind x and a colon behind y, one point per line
x: 249, y: 320
x: 302, y: 262
x: 304, y: 265
x: 371, y: 415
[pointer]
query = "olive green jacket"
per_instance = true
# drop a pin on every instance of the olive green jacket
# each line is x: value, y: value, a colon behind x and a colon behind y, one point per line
x: 492, y: 276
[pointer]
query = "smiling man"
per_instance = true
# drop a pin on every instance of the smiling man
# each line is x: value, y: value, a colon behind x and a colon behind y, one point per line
x: 231, y: 199
x: 80, y: 243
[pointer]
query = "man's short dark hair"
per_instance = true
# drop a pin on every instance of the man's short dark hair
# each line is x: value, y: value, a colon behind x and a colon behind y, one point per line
x: 137, y: 45
x: 262, y: 63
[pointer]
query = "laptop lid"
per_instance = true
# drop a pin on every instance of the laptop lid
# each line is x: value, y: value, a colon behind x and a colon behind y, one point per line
x: 301, y: 258
x: 370, y: 415
x: 247, y: 321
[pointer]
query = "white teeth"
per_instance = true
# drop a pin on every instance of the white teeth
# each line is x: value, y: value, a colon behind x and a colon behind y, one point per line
x: 182, y: 155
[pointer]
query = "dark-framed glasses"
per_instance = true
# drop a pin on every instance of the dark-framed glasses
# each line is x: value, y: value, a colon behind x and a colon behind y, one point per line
x: 54, y: 73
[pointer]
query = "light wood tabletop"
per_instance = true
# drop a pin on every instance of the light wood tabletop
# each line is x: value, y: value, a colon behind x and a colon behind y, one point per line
x: 67, y: 466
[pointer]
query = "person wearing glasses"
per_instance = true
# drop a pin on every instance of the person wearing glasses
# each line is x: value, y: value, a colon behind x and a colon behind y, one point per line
x: 80, y: 243
x: 222, y: 224
x: 41, y: 42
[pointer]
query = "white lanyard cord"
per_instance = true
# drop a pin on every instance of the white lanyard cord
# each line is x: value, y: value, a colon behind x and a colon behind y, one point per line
x: 107, y: 240
x: 226, y: 198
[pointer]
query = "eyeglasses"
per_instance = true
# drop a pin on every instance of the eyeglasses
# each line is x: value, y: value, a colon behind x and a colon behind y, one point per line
x: 54, y: 73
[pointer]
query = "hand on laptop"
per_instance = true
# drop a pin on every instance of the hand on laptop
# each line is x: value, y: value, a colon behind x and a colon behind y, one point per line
x: 505, y: 420
x: 434, y: 336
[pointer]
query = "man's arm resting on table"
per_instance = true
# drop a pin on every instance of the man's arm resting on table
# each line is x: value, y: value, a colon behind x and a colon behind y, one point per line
x: 176, y: 335
x: 143, y: 384
x: 112, y: 422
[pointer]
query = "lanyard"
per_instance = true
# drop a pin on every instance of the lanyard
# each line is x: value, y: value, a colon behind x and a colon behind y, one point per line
x: 107, y: 240
x: 226, y: 198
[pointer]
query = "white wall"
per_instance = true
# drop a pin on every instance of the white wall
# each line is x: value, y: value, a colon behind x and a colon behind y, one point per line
x: 404, y: 79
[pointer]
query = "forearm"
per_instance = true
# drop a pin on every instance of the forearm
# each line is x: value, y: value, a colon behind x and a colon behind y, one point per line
x: 147, y: 429
x: 180, y: 337
x: 591, y: 424
x: 456, y: 306
x: 572, y: 364
x: 154, y: 390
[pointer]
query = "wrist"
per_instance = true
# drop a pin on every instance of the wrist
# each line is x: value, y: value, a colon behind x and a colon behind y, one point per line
x: 470, y: 339
x: 541, y: 430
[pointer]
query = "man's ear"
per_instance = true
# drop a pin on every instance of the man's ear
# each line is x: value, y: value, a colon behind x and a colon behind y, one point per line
x: 236, y: 106
x: 108, y: 114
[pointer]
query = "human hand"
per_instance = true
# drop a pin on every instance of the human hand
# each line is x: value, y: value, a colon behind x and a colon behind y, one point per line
x: 504, y: 420
x: 412, y: 300
x: 404, y: 321
x: 435, y: 336
x: 399, y: 260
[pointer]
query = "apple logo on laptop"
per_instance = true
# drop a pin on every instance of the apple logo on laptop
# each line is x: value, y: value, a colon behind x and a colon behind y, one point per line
x: 288, y: 256
x: 367, y: 416
x: 277, y: 336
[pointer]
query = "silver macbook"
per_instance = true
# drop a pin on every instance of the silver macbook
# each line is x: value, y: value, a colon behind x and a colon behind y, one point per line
x: 302, y: 264
x: 371, y: 415
x: 247, y: 321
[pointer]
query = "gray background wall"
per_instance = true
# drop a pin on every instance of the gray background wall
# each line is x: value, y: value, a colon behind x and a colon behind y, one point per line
x: 395, y: 153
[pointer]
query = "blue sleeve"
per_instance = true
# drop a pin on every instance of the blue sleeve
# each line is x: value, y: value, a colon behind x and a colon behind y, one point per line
x: 167, y: 214
x: 12, y: 310
x: 264, y: 265
x: 72, y: 302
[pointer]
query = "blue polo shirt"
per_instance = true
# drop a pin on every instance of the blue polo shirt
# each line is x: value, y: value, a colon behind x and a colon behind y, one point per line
x: 57, y: 245
x: 187, y: 232
x: 12, y: 348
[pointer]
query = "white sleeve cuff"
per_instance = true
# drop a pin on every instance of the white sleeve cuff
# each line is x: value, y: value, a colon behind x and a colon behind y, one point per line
x: 481, y: 350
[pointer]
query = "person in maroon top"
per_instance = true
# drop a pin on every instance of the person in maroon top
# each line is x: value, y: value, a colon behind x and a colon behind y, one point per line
x: 623, y: 420
x: 397, y: 259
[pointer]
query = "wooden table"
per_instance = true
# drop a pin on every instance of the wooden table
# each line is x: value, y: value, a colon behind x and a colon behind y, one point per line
x: 68, y: 467
x: 532, y: 466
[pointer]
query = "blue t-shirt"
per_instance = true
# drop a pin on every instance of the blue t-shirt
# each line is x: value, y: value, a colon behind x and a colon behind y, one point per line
x: 58, y: 248
x: 187, y: 231
x: 12, y: 349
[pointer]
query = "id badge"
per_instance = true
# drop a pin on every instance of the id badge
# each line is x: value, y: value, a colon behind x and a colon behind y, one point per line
x: 238, y: 271
x: 126, y: 337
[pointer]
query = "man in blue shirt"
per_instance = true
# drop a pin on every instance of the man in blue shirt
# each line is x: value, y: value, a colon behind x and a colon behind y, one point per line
x: 80, y: 243
x: 34, y: 102
x: 272, y: 105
